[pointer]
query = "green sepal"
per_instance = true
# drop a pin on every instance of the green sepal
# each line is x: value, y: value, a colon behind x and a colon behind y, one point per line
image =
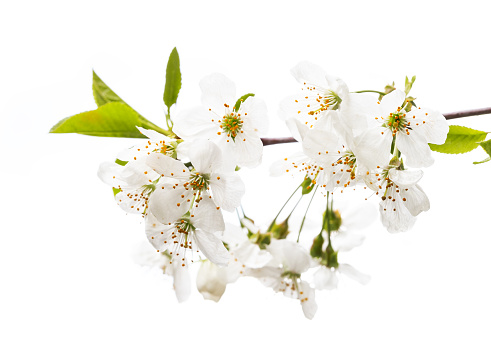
x: 307, y: 186
x: 116, y: 191
x: 280, y: 231
x: 241, y: 100
x: 460, y: 140
x: 121, y: 163
x: 172, y: 79
x: 316, y: 248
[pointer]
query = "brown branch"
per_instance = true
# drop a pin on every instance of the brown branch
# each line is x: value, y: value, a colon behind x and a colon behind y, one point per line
x: 450, y: 115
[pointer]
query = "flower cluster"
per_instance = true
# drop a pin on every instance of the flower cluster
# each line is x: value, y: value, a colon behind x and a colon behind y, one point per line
x: 349, y: 139
x: 181, y: 184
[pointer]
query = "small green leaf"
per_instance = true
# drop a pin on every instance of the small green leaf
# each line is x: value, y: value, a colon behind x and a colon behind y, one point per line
x: 241, y: 100
x: 172, y: 79
x: 486, y: 145
x: 460, y: 140
x: 114, y: 119
x: 483, y: 161
x: 409, y: 84
x: 102, y: 93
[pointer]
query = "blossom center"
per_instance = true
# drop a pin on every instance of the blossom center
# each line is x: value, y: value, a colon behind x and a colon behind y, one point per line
x: 232, y: 124
x: 199, y: 182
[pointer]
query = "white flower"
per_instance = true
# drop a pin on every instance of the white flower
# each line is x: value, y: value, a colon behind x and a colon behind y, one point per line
x: 412, y: 132
x: 402, y: 198
x: 325, y: 101
x: 235, y: 132
x: 192, y: 234
x: 283, y: 274
x: 179, y: 188
x: 325, y: 158
x: 211, y: 280
x: 135, y: 181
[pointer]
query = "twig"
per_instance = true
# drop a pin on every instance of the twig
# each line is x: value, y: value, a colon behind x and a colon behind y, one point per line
x: 450, y: 115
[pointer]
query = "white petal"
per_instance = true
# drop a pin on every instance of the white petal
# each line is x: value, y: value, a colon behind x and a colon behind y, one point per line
x: 395, y: 216
x: 307, y: 72
x: 392, y: 101
x: 354, y: 274
x: 182, y: 282
x: 251, y: 255
x: 346, y: 241
x: 415, y: 148
x: 292, y: 255
x: 211, y: 281
x: 205, y: 156
x: 109, y: 172
x: 207, y: 217
x: 167, y: 204
x: 307, y: 299
x: 167, y: 166
x: 249, y: 150
x: 325, y: 278
x: 432, y: 125
x: 254, y: 112
x: 228, y: 190
x: 373, y: 147
x: 158, y: 234
x: 195, y: 123
x: 217, y: 90
x: 211, y: 247
x: 406, y: 178
x: 416, y: 200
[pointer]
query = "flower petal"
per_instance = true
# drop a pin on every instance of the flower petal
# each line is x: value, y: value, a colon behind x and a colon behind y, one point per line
x: 217, y: 90
x: 211, y: 247
x: 354, y: 274
x: 227, y: 190
x: 195, y: 123
x: 391, y: 102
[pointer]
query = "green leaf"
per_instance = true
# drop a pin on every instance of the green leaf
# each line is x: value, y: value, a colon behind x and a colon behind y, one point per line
x: 102, y: 93
x: 114, y: 119
x: 172, y: 79
x: 486, y: 145
x: 241, y: 100
x: 460, y: 140
x: 483, y: 161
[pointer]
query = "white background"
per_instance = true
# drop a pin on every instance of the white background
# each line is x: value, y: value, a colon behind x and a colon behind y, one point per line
x: 68, y: 281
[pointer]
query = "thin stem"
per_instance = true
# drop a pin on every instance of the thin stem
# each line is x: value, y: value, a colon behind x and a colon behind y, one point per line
x: 371, y: 91
x: 274, y: 220
x: 450, y: 115
x: 305, y: 215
